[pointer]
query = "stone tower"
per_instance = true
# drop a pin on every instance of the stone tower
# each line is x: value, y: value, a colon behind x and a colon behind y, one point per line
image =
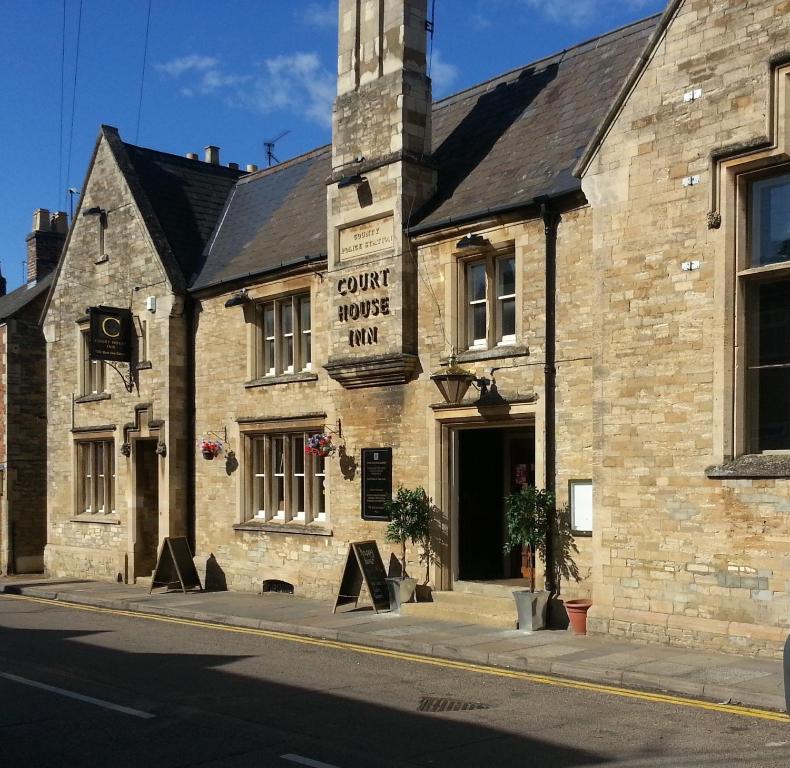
x: 381, y: 175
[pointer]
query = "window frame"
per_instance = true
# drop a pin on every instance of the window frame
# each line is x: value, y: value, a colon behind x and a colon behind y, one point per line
x: 272, y: 350
x: 264, y: 444
x: 92, y: 373
x: 91, y: 486
x: 493, y: 301
x: 748, y: 279
x: 572, y: 503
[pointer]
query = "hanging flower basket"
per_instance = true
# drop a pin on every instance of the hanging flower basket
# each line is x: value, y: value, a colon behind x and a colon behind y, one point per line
x: 320, y: 445
x: 210, y: 448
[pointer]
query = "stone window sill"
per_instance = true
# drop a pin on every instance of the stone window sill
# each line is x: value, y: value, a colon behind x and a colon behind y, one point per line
x: 298, y: 529
x: 93, y: 398
x: 284, y: 378
x: 495, y: 353
x: 143, y: 365
x: 757, y: 465
x: 97, y: 519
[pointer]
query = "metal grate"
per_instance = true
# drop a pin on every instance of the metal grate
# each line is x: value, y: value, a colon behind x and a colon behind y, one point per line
x: 435, y: 704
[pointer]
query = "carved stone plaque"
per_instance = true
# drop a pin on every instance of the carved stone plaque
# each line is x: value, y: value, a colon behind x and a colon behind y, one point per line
x: 366, y: 239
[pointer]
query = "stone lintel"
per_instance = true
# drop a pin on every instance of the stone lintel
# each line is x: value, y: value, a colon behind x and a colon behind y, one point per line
x: 377, y: 371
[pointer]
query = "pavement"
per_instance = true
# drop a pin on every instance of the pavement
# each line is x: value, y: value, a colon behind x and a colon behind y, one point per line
x: 751, y: 682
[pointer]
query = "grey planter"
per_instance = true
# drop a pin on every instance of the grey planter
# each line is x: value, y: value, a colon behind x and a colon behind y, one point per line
x: 401, y: 591
x: 531, y: 607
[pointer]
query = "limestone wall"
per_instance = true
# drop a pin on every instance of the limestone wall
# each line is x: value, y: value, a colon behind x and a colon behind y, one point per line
x: 398, y: 416
x: 102, y: 546
x: 679, y: 557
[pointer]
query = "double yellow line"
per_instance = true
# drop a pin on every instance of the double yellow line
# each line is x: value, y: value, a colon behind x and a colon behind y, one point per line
x: 557, y: 682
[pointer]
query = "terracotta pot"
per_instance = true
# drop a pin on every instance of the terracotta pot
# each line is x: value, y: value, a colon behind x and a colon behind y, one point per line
x: 577, y: 614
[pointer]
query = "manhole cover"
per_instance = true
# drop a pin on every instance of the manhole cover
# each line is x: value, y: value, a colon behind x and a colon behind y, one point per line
x: 435, y: 704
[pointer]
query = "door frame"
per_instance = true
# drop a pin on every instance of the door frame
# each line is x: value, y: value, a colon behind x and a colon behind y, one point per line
x: 135, y: 498
x: 445, y: 423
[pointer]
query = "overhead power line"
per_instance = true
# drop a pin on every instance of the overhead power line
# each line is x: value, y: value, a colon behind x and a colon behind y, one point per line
x: 142, y: 74
x: 74, y: 93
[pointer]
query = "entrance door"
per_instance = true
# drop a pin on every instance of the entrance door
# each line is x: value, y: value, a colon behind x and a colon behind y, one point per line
x: 491, y: 464
x: 146, y: 478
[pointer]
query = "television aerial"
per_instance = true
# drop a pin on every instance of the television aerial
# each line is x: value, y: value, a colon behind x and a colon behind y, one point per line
x: 268, y: 145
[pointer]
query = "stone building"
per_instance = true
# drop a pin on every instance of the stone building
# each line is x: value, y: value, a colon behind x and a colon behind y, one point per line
x: 119, y: 441
x: 23, y: 402
x: 598, y: 236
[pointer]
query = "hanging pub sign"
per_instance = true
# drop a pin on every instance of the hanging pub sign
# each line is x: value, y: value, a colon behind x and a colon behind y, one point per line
x: 376, y: 482
x: 110, y: 334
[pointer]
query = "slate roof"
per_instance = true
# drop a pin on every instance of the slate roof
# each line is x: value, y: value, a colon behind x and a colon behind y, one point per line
x: 498, y: 146
x: 517, y: 137
x: 19, y: 298
x: 187, y: 197
x: 273, y: 218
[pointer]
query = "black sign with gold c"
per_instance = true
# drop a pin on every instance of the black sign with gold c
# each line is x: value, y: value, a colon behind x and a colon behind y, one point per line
x: 111, y: 334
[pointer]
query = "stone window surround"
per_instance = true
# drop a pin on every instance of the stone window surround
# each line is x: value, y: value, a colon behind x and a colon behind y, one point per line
x: 491, y: 256
x: 733, y: 170
x: 85, y: 383
x: 252, y: 427
x: 253, y: 316
x: 82, y: 437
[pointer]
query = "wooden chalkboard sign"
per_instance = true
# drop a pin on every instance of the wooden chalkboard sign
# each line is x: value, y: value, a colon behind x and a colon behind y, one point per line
x: 363, y: 562
x: 175, y: 567
x: 376, y: 482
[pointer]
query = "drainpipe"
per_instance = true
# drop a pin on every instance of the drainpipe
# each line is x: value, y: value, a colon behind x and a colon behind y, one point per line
x: 189, y: 312
x: 551, y: 220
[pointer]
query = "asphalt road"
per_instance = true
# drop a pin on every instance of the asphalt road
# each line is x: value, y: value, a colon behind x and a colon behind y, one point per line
x: 90, y: 688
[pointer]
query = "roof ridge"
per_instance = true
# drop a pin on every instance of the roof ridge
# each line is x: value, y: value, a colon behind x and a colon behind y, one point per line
x: 446, y: 100
x: 199, y: 164
x: 309, y: 155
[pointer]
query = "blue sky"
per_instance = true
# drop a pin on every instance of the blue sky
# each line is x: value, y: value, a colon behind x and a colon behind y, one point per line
x: 231, y: 73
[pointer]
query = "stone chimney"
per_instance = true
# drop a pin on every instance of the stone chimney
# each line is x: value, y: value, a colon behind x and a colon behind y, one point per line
x: 2, y: 285
x: 45, y: 242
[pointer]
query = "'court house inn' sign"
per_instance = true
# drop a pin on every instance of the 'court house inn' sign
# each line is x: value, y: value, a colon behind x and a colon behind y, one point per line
x: 364, y: 295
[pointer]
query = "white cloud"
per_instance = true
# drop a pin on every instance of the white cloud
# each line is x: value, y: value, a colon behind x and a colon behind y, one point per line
x: 191, y: 63
x: 297, y: 83
x: 318, y: 15
x: 443, y: 74
x: 580, y: 12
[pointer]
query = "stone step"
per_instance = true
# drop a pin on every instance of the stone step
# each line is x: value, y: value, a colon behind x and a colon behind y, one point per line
x: 502, y: 588
x: 498, y: 612
x: 142, y: 581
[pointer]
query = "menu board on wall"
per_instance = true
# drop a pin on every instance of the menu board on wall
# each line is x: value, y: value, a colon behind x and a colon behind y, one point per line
x: 376, y: 482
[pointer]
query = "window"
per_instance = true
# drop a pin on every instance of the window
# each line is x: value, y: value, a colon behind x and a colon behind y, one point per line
x: 765, y: 293
x: 581, y: 498
x: 92, y: 372
x: 285, y: 344
x: 96, y: 475
x: 286, y: 484
x: 490, y: 302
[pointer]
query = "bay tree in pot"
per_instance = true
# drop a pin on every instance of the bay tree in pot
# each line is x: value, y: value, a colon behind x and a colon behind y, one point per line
x: 528, y: 515
x: 409, y: 521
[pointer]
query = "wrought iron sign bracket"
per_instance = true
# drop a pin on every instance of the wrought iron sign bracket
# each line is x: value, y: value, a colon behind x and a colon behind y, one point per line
x: 127, y: 379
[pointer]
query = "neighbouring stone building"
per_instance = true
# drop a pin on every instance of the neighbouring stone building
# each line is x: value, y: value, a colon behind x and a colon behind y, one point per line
x: 599, y: 236
x: 119, y: 442
x: 23, y: 402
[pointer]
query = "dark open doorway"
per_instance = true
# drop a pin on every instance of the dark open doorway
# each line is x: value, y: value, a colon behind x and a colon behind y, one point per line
x: 146, y: 493
x: 491, y: 464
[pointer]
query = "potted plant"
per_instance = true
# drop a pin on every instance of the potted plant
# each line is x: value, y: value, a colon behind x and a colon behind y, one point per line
x: 528, y: 515
x: 409, y: 521
x: 210, y: 448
